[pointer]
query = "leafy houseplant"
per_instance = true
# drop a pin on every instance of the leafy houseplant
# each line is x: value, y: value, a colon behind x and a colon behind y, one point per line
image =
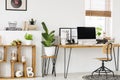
x: 48, y: 40
x: 28, y: 38
x: 98, y: 31
x: 48, y: 37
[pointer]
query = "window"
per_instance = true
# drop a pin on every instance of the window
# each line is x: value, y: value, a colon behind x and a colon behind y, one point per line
x: 98, y: 14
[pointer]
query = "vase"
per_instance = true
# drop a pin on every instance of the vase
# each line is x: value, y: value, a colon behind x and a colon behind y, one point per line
x: 49, y: 51
x: 28, y: 42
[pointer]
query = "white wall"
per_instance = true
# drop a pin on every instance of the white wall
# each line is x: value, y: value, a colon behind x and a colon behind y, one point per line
x: 61, y: 13
x: 116, y: 20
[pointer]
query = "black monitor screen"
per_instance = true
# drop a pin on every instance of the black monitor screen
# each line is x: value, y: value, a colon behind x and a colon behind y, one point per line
x: 86, y: 32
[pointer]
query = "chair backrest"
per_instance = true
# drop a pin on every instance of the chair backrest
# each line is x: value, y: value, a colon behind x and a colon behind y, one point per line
x: 107, y: 49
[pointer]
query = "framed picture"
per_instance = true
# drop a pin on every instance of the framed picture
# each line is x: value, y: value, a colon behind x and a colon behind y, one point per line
x: 68, y: 35
x: 65, y: 33
x: 74, y: 35
x: 16, y: 5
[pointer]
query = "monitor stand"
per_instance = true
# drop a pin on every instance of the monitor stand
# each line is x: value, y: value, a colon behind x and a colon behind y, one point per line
x: 87, y: 41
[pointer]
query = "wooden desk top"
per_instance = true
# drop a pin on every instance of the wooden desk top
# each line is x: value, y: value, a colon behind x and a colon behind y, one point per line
x: 86, y: 46
x: 80, y: 46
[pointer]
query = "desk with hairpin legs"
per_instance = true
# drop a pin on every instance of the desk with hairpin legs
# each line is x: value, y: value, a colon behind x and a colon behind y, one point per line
x: 66, y: 64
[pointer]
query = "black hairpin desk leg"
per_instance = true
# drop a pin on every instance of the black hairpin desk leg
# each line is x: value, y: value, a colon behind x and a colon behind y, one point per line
x: 117, y: 60
x: 66, y: 67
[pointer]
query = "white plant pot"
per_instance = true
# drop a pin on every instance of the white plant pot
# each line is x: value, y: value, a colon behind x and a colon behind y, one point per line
x: 28, y: 42
x: 49, y: 51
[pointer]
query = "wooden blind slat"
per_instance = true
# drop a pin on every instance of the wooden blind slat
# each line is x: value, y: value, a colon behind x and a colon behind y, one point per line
x: 98, y: 13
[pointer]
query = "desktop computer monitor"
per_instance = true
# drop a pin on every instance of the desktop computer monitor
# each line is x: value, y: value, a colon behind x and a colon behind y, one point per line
x: 86, y: 34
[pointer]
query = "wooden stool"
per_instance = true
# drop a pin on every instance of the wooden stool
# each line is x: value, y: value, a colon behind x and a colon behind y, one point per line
x: 45, y: 65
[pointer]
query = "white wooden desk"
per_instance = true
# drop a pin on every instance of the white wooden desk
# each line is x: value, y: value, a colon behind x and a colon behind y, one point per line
x: 66, y: 67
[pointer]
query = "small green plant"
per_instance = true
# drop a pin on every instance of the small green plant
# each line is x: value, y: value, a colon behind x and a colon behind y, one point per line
x: 28, y: 36
x: 48, y: 37
x: 98, y: 31
x: 32, y: 21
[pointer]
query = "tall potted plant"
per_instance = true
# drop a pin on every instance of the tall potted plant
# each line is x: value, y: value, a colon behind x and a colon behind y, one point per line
x: 48, y: 40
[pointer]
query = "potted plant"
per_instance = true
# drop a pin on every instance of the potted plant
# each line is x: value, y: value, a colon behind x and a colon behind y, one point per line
x: 48, y: 40
x: 98, y: 32
x: 32, y: 21
x: 28, y: 38
x: 32, y: 25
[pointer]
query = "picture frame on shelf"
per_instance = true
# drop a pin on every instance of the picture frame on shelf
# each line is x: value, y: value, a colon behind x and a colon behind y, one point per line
x: 16, y: 5
x: 68, y: 35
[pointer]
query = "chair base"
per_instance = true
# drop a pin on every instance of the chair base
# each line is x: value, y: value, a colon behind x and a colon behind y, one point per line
x: 103, y: 69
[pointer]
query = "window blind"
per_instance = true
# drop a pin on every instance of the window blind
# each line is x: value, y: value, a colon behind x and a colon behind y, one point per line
x: 101, y: 13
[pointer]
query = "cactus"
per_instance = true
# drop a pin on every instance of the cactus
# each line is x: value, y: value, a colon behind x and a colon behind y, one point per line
x: 32, y: 21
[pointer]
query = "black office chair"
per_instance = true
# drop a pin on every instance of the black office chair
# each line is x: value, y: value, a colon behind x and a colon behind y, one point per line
x: 107, y: 49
